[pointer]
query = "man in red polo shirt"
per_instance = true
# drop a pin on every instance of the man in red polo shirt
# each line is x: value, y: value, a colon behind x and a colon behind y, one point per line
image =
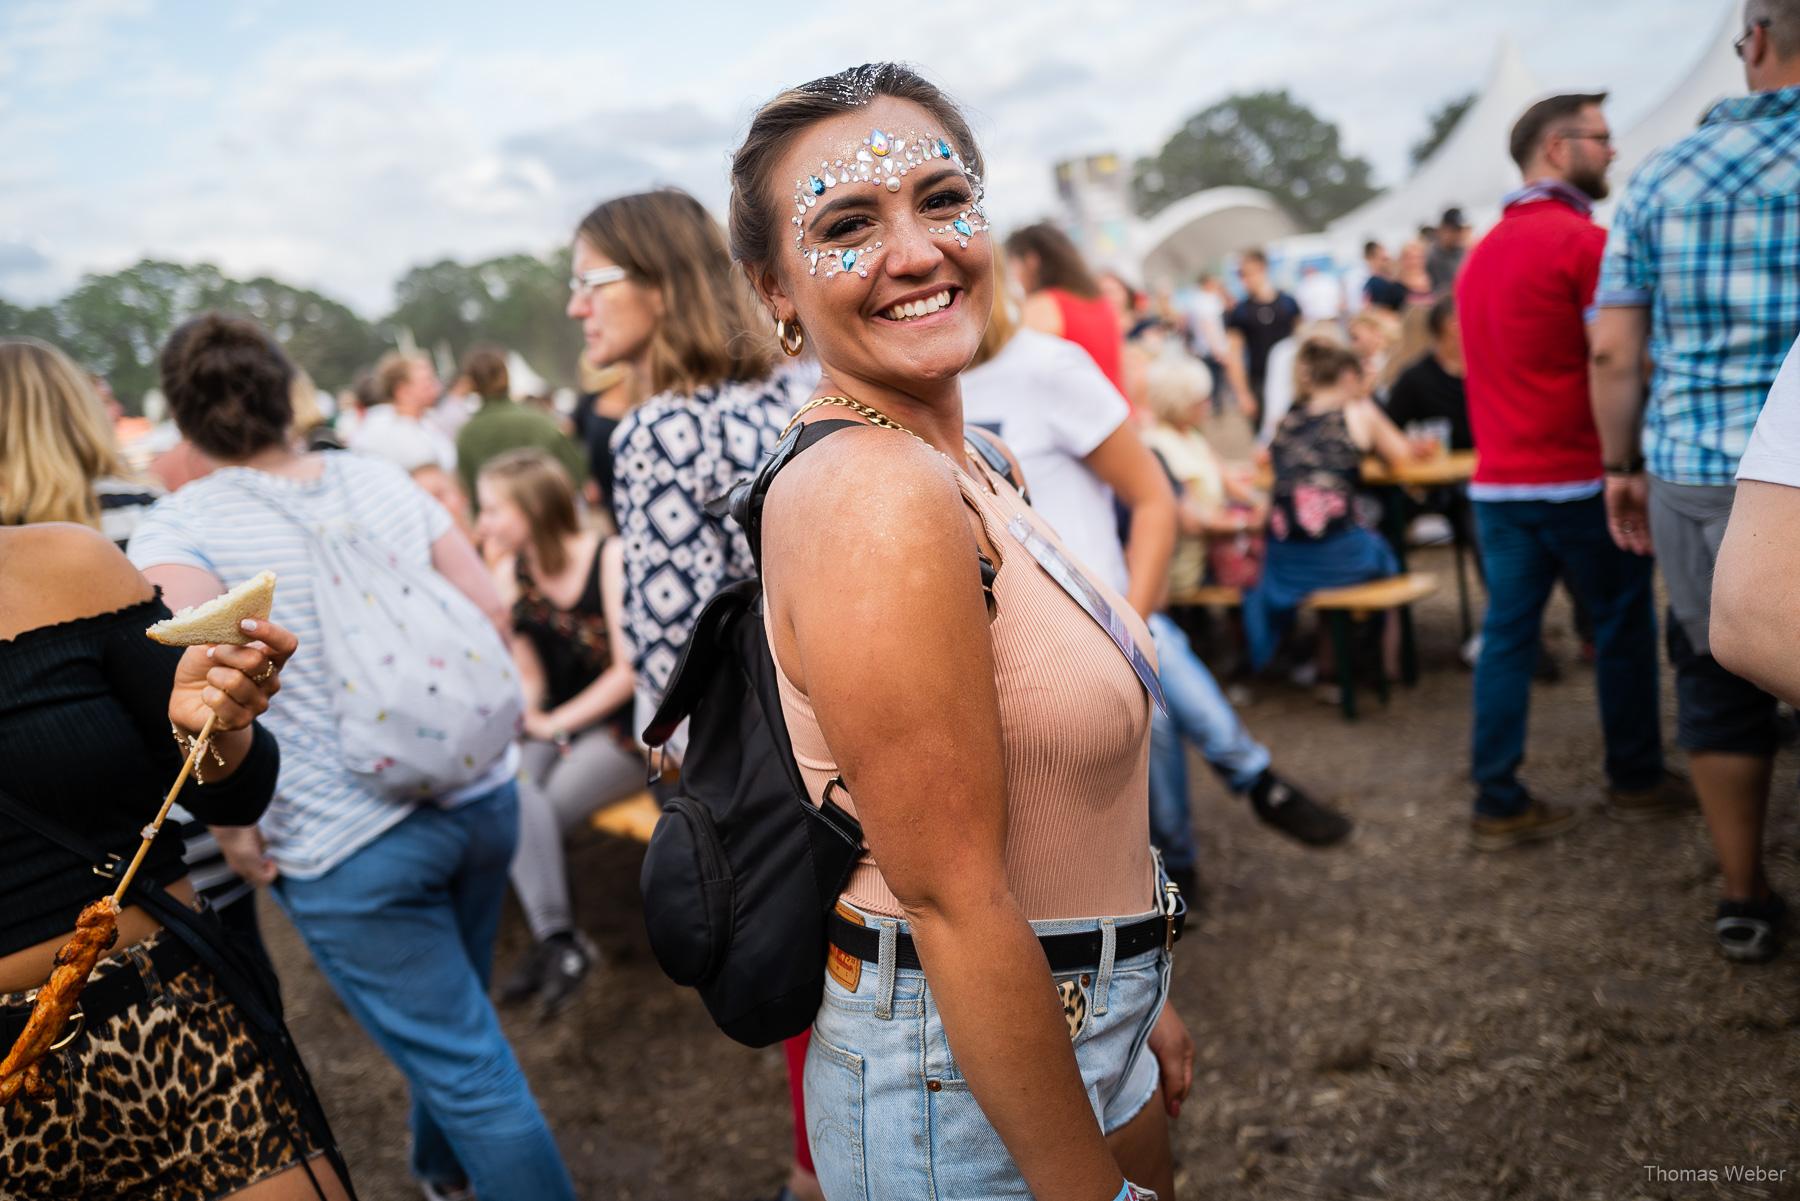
x: 1522, y: 300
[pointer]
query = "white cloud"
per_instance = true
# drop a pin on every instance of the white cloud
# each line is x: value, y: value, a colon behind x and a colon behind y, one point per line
x: 338, y: 162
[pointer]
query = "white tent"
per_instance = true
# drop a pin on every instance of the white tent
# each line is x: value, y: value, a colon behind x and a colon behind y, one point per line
x: 1197, y: 231
x: 1715, y: 75
x: 1470, y: 171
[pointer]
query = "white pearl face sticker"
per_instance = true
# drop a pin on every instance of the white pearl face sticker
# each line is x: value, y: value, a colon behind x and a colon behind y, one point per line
x: 880, y: 160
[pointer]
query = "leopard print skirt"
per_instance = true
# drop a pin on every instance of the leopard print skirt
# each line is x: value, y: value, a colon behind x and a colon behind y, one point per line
x: 170, y: 1100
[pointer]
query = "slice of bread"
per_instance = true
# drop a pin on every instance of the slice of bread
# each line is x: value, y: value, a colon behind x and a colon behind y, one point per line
x: 217, y: 620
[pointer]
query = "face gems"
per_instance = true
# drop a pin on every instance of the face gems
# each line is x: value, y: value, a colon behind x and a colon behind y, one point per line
x: 968, y: 223
x: 881, y: 159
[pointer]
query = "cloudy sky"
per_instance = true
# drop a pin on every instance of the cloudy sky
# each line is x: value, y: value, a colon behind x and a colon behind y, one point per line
x: 335, y: 144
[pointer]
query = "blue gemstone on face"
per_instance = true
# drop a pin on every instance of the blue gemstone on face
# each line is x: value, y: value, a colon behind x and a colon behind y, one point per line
x: 943, y: 148
x: 963, y: 227
x: 848, y: 259
x: 816, y: 184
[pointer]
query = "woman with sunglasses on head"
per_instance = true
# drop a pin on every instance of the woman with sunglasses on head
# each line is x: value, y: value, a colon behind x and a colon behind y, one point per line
x: 993, y: 1022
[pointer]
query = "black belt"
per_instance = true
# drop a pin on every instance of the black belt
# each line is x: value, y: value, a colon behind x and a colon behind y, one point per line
x: 1066, y: 952
x: 105, y: 997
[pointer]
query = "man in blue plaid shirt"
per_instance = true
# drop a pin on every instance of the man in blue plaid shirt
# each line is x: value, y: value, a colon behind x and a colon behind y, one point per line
x: 1702, y: 271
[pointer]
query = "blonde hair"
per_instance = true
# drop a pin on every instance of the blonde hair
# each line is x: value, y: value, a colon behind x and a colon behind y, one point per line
x: 1000, y: 327
x: 303, y: 395
x: 539, y: 485
x: 54, y: 437
x: 1174, y: 383
x: 1414, y: 340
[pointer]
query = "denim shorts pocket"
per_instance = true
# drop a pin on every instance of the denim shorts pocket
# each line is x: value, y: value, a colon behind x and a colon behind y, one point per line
x: 833, y: 1083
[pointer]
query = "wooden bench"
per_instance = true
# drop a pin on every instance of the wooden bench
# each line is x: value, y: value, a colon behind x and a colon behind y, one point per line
x: 1342, y: 607
x: 634, y: 817
x: 1208, y: 596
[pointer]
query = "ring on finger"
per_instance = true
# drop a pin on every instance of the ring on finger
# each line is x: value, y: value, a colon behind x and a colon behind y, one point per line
x: 262, y: 677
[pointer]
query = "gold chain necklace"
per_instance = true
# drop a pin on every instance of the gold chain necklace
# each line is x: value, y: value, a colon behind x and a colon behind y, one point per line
x: 876, y: 417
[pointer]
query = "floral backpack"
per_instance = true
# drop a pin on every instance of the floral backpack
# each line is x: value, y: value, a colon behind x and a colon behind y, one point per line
x: 424, y: 690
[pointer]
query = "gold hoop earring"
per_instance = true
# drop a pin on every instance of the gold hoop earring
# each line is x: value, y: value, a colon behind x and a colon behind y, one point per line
x: 789, y: 348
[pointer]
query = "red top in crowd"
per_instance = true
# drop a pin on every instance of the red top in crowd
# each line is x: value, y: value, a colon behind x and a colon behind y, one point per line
x: 1522, y: 300
x: 1091, y: 324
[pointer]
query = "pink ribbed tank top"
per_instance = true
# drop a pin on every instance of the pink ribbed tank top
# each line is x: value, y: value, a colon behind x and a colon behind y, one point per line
x: 1075, y: 724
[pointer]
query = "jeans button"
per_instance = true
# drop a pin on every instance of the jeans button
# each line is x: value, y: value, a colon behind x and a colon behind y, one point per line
x: 934, y: 1085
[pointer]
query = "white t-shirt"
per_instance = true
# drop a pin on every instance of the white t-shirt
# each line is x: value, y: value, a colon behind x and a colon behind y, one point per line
x: 406, y: 442
x: 321, y: 814
x: 1773, y: 456
x: 1047, y: 401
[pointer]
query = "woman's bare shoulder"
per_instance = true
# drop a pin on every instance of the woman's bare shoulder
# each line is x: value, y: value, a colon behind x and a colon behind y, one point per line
x: 59, y: 572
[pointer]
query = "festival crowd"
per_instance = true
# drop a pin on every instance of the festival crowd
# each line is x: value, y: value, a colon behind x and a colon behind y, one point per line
x: 1009, y: 509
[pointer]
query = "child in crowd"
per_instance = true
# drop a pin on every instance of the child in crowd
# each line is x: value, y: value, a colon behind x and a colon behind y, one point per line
x: 565, y: 585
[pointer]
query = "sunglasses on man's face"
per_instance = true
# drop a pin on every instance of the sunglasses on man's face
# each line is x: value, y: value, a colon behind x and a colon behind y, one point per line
x: 586, y: 283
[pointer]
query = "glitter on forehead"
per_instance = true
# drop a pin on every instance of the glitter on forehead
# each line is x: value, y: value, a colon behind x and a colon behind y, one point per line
x: 855, y: 86
x: 881, y: 159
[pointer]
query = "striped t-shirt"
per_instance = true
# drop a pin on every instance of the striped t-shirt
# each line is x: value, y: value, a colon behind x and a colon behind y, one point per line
x: 322, y: 813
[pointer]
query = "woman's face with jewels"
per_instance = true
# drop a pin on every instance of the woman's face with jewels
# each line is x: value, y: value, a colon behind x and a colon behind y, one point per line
x: 885, y: 261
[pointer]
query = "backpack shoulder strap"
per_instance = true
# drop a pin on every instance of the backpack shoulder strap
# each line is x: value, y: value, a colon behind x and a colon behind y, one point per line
x: 985, y: 445
x: 745, y: 501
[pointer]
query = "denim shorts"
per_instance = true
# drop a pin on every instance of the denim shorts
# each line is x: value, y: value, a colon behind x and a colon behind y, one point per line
x: 889, y: 1116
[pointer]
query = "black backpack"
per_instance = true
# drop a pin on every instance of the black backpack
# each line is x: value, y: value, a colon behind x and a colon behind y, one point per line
x: 743, y: 868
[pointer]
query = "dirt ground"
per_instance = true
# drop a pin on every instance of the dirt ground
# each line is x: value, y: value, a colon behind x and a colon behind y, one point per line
x: 1396, y: 1018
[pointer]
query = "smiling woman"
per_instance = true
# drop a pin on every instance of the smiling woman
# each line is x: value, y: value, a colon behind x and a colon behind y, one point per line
x: 997, y: 761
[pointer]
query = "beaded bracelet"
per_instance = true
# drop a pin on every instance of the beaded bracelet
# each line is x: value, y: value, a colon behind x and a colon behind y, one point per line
x: 186, y: 743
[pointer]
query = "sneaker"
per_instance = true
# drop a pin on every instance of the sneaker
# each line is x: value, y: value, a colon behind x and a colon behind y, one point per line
x: 1279, y: 804
x: 1750, y: 931
x: 1670, y: 795
x: 569, y: 956
x: 1540, y: 821
x: 441, y: 1192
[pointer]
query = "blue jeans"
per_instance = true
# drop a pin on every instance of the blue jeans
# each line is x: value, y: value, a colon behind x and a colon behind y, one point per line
x: 888, y: 1112
x: 1198, y: 713
x: 404, y: 930
x: 1525, y: 546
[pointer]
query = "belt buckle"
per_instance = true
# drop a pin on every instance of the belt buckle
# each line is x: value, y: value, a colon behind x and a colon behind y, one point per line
x: 71, y: 1029
x: 1171, y: 906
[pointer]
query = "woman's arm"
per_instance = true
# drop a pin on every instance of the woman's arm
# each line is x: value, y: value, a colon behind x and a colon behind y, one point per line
x: 1126, y: 466
x: 1041, y: 313
x: 455, y: 559
x: 1373, y: 430
x: 1756, y: 589
x: 879, y: 616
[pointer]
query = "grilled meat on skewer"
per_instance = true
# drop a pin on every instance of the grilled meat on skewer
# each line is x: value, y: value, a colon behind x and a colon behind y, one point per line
x: 96, y: 930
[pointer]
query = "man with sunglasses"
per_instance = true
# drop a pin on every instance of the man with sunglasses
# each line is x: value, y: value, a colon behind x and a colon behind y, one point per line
x: 1702, y: 273
x: 1521, y: 300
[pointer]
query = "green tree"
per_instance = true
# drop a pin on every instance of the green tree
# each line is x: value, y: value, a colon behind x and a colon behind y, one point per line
x: 116, y: 324
x: 1438, y: 125
x: 1265, y: 140
x: 516, y: 301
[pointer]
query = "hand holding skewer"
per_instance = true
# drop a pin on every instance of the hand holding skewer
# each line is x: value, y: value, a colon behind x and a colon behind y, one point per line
x: 223, y: 688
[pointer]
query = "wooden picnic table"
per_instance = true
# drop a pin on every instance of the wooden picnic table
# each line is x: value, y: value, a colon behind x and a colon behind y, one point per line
x: 1456, y: 467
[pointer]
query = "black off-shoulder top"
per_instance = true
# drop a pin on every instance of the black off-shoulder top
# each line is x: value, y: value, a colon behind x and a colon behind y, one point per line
x: 84, y: 738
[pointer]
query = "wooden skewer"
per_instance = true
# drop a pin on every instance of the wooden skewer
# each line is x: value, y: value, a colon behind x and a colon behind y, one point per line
x: 187, y: 769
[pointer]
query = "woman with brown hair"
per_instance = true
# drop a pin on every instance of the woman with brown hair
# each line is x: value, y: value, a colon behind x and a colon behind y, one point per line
x: 1063, y: 298
x: 993, y: 1022
x: 654, y: 291
x: 565, y: 586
